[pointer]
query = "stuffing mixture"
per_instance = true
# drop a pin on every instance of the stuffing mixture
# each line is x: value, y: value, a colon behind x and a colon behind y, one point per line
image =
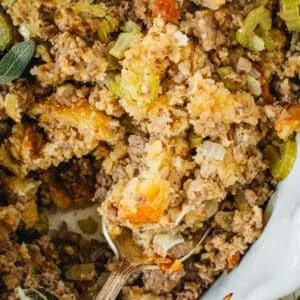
x: 167, y: 117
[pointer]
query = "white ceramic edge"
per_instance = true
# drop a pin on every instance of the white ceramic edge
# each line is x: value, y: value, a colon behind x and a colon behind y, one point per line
x: 71, y: 217
x: 271, y: 268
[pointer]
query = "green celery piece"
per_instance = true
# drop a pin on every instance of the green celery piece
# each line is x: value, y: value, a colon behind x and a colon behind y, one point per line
x: 104, y: 32
x: 122, y: 44
x: 224, y: 72
x: 281, y: 168
x: 129, y: 86
x: 88, y: 225
x: 131, y: 26
x: 195, y: 140
x: 5, y: 32
x: 107, y: 26
x: 198, y: 225
x: 269, y: 39
x: 257, y: 17
x: 290, y: 13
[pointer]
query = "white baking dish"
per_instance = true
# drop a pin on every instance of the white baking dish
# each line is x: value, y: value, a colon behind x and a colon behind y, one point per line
x: 271, y: 268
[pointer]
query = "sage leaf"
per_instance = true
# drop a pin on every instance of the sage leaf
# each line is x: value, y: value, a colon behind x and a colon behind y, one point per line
x: 15, y: 61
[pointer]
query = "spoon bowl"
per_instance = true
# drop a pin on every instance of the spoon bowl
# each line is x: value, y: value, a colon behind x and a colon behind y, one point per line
x: 131, y: 259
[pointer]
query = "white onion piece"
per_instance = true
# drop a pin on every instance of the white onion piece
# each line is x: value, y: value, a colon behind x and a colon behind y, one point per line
x: 254, y: 86
x: 213, y: 150
x: 255, y: 73
x: 23, y: 30
x: 22, y: 295
x: 244, y: 64
x: 257, y: 43
x: 182, y: 39
x: 163, y: 242
x: 185, y: 210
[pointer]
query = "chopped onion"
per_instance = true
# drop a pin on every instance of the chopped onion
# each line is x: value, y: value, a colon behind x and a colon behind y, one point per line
x: 182, y: 39
x: 213, y: 150
x: 185, y: 210
x: 23, y: 30
x: 255, y: 73
x: 244, y: 64
x: 163, y: 242
x: 224, y: 219
x: 257, y: 43
x: 22, y: 295
x: 254, y: 86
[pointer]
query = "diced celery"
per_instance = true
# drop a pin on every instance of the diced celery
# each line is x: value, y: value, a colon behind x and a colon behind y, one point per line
x: 104, y: 32
x: 281, y: 162
x: 281, y: 168
x: 88, y: 225
x: 114, y: 23
x: 131, y: 26
x: 5, y: 32
x: 224, y: 73
x: 290, y: 13
x: 195, y: 140
x: 246, y: 36
x: 138, y: 85
x: 268, y: 39
x: 115, y: 86
x: 198, y: 225
x: 107, y: 26
x: 224, y: 219
x: 122, y: 44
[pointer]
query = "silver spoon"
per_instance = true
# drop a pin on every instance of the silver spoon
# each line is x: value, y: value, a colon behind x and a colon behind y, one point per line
x: 130, y: 260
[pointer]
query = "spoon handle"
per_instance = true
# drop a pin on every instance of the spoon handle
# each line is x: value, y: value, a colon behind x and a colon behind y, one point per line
x: 116, y: 280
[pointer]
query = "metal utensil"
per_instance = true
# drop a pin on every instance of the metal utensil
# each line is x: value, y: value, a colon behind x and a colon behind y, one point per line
x: 130, y: 260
